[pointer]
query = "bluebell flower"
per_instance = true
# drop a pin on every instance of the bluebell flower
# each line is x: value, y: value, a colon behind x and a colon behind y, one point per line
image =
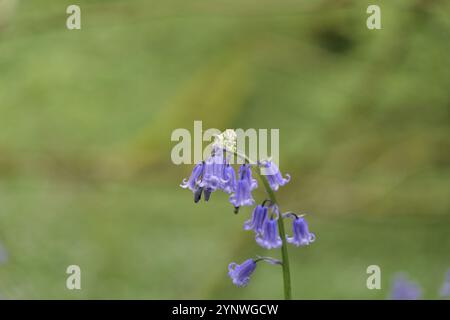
x: 301, y: 235
x: 194, y: 179
x: 269, y: 238
x: 404, y: 289
x: 445, y: 290
x: 229, y: 183
x: 273, y: 174
x: 243, y: 195
x: 256, y: 223
x: 216, y: 173
x: 213, y: 173
x: 245, y: 173
x: 240, y: 274
x: 210, y: 175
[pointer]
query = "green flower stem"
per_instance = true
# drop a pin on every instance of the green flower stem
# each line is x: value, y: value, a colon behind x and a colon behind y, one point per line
x: 284, y: 251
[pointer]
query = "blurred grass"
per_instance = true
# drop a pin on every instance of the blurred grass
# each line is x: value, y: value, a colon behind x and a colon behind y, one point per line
x: 85, y: 123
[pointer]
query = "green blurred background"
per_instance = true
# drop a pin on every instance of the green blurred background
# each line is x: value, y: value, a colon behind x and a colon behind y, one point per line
x: 86, y: 118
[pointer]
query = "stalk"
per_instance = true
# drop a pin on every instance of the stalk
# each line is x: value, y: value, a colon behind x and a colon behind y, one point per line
x: 284, y: 251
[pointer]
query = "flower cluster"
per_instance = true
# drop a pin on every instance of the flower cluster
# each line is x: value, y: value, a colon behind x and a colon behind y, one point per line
x: 216, y: 173
x: 445, y: 289
x: 405, y: 289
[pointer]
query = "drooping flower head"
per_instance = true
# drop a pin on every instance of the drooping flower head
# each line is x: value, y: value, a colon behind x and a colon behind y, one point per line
x: 300, y: 231
x: 210, y: 175
x: 445, y: 290
x: 243, y: 195
x: 273, y: 175
x: 404, y: 289
x: 245, y: 173
x: 269, y: 238
x: 259, y: 216
x: 240, y: 274
x: 194, y: 179
x: 216, y: 173
x: 213, y: 174
x: 229, y: 183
